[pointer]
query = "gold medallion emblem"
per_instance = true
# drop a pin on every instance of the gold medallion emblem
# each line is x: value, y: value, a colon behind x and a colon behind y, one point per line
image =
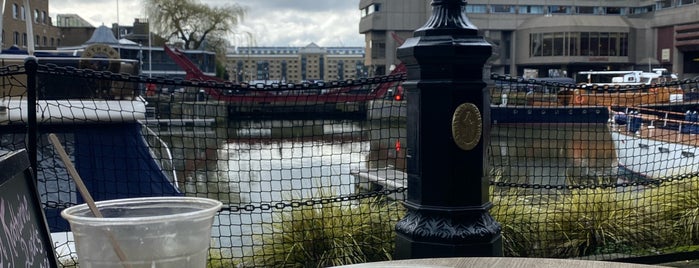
x: 466, y: 126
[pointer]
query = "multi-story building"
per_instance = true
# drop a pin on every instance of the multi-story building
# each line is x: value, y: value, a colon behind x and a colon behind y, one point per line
x: 385, y: 24
x: 295, y: 64
x: 14, y: 25
x: 547, y: 38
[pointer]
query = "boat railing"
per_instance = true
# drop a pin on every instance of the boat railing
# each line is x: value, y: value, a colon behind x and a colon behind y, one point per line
x: 688, y: 125
x: 166, y: 162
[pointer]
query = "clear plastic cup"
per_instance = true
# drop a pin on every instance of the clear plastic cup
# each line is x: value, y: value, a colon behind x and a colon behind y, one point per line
x: 150, y: 231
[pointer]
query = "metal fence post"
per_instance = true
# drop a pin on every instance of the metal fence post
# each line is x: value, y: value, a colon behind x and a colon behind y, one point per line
x: 448, y: 128
x: 31, y: 66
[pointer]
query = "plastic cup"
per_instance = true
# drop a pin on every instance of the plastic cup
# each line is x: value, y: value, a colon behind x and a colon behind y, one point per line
x: 150, y: 231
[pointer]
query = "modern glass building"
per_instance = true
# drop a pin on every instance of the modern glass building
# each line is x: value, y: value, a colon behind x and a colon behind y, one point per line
x: 551, y: 38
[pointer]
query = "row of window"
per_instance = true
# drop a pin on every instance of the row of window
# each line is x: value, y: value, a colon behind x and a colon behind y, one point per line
x: 263, y: 70
x: 38, y: 40
x: 579, y: 44
x: 18, y: 12
x: 589, y: 10
x: 371, y: 9
x: 349, y: 51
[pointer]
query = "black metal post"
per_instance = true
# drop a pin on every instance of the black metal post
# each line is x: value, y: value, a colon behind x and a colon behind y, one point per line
x: 31, y: 66
x: 448, y: 131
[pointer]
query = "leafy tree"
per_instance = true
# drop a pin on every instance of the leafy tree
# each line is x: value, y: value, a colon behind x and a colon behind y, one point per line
x: 193, y: 23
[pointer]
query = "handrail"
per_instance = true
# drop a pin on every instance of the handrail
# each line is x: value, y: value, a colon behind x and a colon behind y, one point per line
x: 167, y: 151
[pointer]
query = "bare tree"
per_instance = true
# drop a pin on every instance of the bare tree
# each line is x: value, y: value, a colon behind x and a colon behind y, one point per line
x: 193, y: 23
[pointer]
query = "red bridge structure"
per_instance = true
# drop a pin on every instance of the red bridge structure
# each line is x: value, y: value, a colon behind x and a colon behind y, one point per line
x: 359, y: 90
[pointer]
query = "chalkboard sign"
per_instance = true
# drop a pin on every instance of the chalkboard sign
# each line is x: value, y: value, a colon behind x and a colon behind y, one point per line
x: 24, y: 237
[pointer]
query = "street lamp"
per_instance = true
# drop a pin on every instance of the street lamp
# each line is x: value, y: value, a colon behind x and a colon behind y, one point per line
x: 448, y: 126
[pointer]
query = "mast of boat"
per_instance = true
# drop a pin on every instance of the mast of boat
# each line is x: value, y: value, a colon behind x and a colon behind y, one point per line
x: 2, y: 16
x: 150, y: 52
x: 30, y: 28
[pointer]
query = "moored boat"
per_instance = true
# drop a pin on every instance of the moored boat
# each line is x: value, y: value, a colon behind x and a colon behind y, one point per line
x: 592, y: 88
x: 626, y: 88
x: 652, y: 143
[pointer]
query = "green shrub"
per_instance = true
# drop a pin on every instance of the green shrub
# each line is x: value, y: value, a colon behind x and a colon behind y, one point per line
x: 329, y: 234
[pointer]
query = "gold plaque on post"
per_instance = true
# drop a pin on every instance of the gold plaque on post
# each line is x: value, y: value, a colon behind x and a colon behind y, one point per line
x: 466, y: 126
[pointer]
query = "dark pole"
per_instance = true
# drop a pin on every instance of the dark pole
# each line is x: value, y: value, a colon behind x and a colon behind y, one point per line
x: 31, y: 67
x: 448, y: 128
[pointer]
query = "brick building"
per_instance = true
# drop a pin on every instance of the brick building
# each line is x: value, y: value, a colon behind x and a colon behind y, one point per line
x: 14, y: 25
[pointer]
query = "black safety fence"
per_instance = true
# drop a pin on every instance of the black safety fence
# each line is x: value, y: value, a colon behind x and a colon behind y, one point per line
x: 313, y: 174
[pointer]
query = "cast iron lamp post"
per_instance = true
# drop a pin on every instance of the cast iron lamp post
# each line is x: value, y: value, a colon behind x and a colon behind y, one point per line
x: 448, y: 128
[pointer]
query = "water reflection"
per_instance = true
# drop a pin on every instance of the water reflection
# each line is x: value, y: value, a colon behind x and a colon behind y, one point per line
x: 295, y: 158
x: 556, y: 154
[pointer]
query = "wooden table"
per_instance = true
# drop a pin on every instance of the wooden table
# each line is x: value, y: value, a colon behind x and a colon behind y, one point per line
x: 505, y: 262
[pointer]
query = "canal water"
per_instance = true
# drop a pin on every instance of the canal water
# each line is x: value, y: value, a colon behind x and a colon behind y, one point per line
x: 266, y: 162
x: 553, y: 154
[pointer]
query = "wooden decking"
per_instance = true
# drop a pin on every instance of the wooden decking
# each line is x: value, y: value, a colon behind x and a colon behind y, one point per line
x: 661, y: 127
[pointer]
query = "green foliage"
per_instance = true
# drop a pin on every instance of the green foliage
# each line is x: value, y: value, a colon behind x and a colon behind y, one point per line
x: 330, y: 234
x: 677, y: 202
x: 591, y: 221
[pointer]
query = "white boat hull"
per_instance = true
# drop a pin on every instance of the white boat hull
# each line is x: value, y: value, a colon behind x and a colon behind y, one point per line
x: 653, y: 158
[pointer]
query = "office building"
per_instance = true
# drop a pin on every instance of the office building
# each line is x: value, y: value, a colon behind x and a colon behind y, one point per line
x: 550, y: 38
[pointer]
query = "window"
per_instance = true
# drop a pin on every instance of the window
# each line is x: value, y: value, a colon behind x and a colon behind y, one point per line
x: 548, y: 44
x: 573, y: 44
x: 15, y: 38
x: 579, y: 44
x: 479, y: 9
x: 641, y: 10
x: 370, y: 9
x: 536, y: 50
x: 559, y: 10
x: 36, y: 15
x: 623, y: 44
x: 586, y: 10
x: 687, y: 2
x: 15, y: 11
x: 594, y: 44
x: 22, y: 13
x: 43, y: 17
x: 24, y: 39
x: 531, y: 10
x: 614, y: 10
x: 502, y: 9
x: 604, y: 44
x: 558, y: 44
x: 664, y: 4
x: 613, y: 44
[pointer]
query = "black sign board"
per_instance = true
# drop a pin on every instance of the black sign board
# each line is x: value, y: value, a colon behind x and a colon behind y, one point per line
x: 25, y: 240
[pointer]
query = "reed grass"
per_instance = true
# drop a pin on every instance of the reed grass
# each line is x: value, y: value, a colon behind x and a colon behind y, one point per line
x: 569, y: 223
x: 635, y: 220
x: 329, y: 234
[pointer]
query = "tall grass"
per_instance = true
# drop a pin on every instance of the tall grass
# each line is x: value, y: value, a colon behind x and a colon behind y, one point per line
x: 605, y: 222
x: 677, y: 204
x: 329, y: 235
x: 592, y: 221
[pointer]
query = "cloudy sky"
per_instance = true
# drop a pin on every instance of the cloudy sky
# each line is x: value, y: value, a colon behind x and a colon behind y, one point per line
x: 272, y: 22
